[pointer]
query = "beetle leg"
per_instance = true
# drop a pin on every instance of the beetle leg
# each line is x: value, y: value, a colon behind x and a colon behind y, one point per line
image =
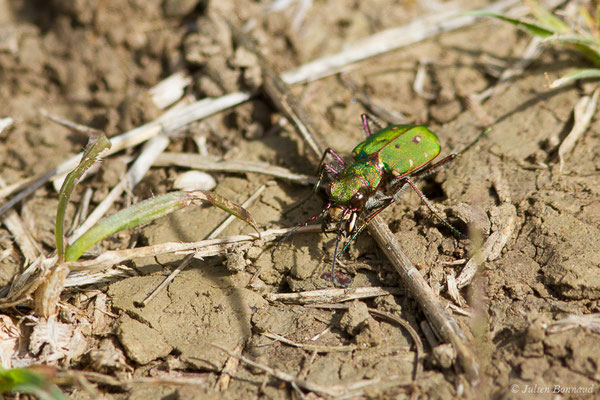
x: 365, y: 120
x: 325, y: 224
x: 323, y: 166
x: 329, y: 168
x: 385, y: 205
x: 434, y: 211
x: 334, y: 154
x: 398, y: 187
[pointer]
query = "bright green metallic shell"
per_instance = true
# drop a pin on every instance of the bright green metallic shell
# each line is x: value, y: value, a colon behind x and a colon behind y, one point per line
x: 400, y: 148
x: 359, y: 175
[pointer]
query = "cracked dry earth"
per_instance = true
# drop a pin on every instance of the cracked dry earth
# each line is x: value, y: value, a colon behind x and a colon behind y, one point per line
x: 528, y: 314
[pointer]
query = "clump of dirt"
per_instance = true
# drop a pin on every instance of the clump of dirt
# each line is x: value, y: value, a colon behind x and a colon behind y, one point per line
x: 527, y: 313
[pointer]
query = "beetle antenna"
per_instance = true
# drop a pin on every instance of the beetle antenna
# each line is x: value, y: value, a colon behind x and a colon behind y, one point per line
x: 474, y: 142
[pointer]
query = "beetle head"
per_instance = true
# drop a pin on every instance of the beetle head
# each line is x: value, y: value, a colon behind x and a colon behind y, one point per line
x: 348, y: 191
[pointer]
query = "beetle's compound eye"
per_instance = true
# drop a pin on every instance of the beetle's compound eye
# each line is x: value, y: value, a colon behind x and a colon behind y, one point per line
x: 358, y: 201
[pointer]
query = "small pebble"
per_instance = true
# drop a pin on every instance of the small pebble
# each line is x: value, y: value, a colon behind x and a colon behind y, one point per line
x: 5, y: 123
x: 194, y: 180
x: 444, y: 355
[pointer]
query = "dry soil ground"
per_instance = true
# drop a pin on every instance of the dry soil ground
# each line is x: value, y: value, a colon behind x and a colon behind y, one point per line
x: 93, y: 61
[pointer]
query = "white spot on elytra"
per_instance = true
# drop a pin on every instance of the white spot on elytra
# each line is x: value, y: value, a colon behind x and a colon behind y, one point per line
x: 410, y: 162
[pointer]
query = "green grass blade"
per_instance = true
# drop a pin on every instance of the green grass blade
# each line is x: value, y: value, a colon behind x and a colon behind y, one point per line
x: 532, y: 28
x: 23, y: 380
x: 136, y: 215
x: 149, y: 210
x: 96, y: 147
x: 227, y: 205
x: 586, y: 46
x: 576, y: 39
x: 548, y: 19
x: 576, y: 75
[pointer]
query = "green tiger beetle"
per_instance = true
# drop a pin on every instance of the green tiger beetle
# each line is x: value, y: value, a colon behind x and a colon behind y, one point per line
x: 385, y: 164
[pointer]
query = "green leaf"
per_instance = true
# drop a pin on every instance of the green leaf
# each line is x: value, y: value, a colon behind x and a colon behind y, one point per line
x: 224, y: 204
x: 26, y: 381
x: 97, y: 145
x: 532, y: 28
x: 136, y: 215
x: 586, y: 46
x: 577, y: 39
x: 576, y: 75
x: 548, y: 19
x: 149, y: 210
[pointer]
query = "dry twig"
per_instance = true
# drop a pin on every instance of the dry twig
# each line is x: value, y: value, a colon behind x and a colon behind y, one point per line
x: 531, y: 53
x: 589, y: 321
x: 228, y: 370
x: 584, y: 111
x: 203, y: 248
x: 24, y: 239
x: 443, y: 323
x: 309, y: 347
x: 202, y: 163
x: 506, y: 216
x: 332, y: 295
x: 183, y: 265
